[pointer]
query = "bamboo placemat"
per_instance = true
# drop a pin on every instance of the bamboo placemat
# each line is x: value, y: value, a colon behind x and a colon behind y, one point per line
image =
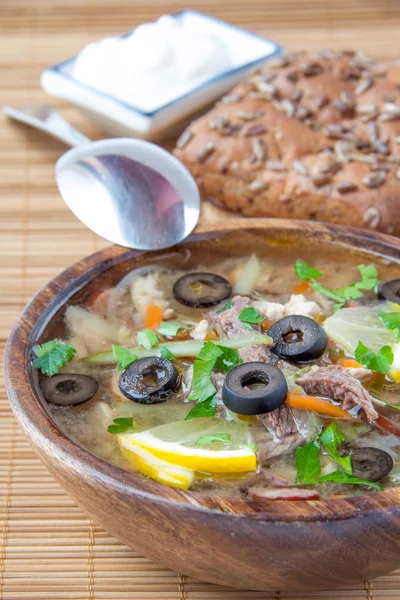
x: 49, y: 549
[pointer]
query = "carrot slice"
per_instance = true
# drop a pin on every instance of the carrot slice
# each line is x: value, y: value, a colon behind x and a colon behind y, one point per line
x: 302, y: 288
x: 154, y: 316
x: 322, y: 407
x: 349, y: 363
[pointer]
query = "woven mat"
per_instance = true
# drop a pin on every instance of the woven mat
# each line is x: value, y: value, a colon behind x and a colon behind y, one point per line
x: 49, y: 549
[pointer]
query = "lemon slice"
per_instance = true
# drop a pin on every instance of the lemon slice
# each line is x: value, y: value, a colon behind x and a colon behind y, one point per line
x: 175, y: 443
x: 158, y: 469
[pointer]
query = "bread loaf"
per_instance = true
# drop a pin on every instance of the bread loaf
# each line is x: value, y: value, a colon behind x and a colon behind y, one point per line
x: 309, y: 136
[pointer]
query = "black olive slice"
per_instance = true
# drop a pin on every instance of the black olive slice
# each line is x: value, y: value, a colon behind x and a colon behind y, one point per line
x: 391, y: 291
x: 149, y: 380
x: 298, y: 339
x: 68, y: 389
x: 201, y: 290
x: 372, y: 464
x: 254, y: 388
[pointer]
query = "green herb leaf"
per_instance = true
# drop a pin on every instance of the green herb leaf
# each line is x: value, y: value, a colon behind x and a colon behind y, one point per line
x: 52, y: 356
x: 392, y: 322
x: 203, y: 386
x: 305, y: 272
x: 170, y: 329
x: 147, y: 338
x: 369, y: 277
x: 227, y: 306
x: 165, y: 353
x: 227, y: 360
x: 308, y: 466
x: 380, y: 361
x: 120, y: 425
x: 342, y: 477
x: 210, y: 351
x: 369, y: 280
x: 250, y: 315
x: 253, y: 447
x: 203, y: 409
x: 331, y: 438
x: 224, y: 438
x: 124, y: 356
x: 332, y: 295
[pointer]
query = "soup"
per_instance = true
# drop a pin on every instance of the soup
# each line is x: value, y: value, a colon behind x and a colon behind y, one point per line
x: 264, y: 377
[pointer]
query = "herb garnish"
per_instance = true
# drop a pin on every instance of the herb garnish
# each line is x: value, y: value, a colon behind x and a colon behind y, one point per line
x: 250, y: 315
x: 368, y: 281
x: 308, y: 466
x: 331, y: 438
x: 224, y: 438
x: 52, y: 356
x: 392, y: 321
x: 380, y: 361
x: 120, y: 425
x: 305, y: 272
x: 342, y: 477
x: 147, y: 338
x: 124, y: 356
x: 202, y: 409
x: 227, y: 306
x: 170, y: 329
x: 165, y: 353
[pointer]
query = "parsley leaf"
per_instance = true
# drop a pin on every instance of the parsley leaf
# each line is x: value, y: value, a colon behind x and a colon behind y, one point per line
x: 331, y: 438
x: 227, y: 306
x: 392, y: 321
x: 170, y: 329
x: 369, y: 277
x: 51, y: 356
x: 147, y: 338
x: 305, y: 272
x: 216, y: 437
x: 308, y: 466
x: 380, y: 361
x: 210, y: 357
x: 203, y: 409
x: 120, y: 425
x: 332, y: 295
x: 165, y: 353
x: 342, y: 477
x: 124, y: 356
x: 250, y: 315
x: 369, y: 280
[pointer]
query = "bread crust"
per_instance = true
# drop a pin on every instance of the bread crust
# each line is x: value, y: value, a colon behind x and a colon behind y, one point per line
x: 310, y: 136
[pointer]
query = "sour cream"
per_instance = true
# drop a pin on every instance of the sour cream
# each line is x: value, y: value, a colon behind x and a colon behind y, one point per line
x: 157, y: 63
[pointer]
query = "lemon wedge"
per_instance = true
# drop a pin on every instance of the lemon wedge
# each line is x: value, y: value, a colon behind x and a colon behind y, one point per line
x: 175, y: 443
x: 158, y: 469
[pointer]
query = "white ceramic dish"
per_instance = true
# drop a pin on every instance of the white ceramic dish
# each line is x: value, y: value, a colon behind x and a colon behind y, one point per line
x: 118, y: 118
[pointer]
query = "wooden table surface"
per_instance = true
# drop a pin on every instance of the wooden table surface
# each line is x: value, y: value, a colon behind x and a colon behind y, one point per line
x: 48, y: 548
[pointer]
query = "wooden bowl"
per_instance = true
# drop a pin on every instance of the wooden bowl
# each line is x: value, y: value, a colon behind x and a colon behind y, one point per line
x: 260, y: 545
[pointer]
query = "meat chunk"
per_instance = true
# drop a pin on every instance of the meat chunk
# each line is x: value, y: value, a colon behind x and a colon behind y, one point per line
x: 337, y: 383
x: 299, y: 305
x: 273, y: 449
x: 289, y: 493
x: 272, y: 311
x: 200, y: 331
x: 227, y: 323
x: 264, y: 478
x: 279, y: 422
x: 255, y: 353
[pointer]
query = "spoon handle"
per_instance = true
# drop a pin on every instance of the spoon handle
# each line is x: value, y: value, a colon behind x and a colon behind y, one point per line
x: 48, y: 119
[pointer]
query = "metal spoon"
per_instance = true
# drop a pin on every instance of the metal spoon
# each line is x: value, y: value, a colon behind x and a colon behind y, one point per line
x: 129, y: 191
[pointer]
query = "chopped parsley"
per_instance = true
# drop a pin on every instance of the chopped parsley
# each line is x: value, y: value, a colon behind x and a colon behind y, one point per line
x: 380, y: 361
x: 392, y: 321
x: 250, y: 315
x: 147, y: 338
x: 52, y: 356
x: 223, y: 438
x: 305, y: 272
x: 227, y: 306
x: 202, y: 409
x: 124, y: 356
x: 120, y: 425
x: 165, y: 353
x: 331, y: 438
x: 308, y: 465
x: 170, y: 329
x: 342, y: 477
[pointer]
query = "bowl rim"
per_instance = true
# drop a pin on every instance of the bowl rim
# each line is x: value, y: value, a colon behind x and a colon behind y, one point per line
x: 48, y: 438
x: 60, y: 68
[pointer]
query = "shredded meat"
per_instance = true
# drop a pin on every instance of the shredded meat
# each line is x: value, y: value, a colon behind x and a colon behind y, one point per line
x: 264, y: 478
x: 279, y: 422
x: 262, y: 493
x: 255, y: 354
x: 337, y: 383
x: 271, y: 449
x: 227, y: 323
